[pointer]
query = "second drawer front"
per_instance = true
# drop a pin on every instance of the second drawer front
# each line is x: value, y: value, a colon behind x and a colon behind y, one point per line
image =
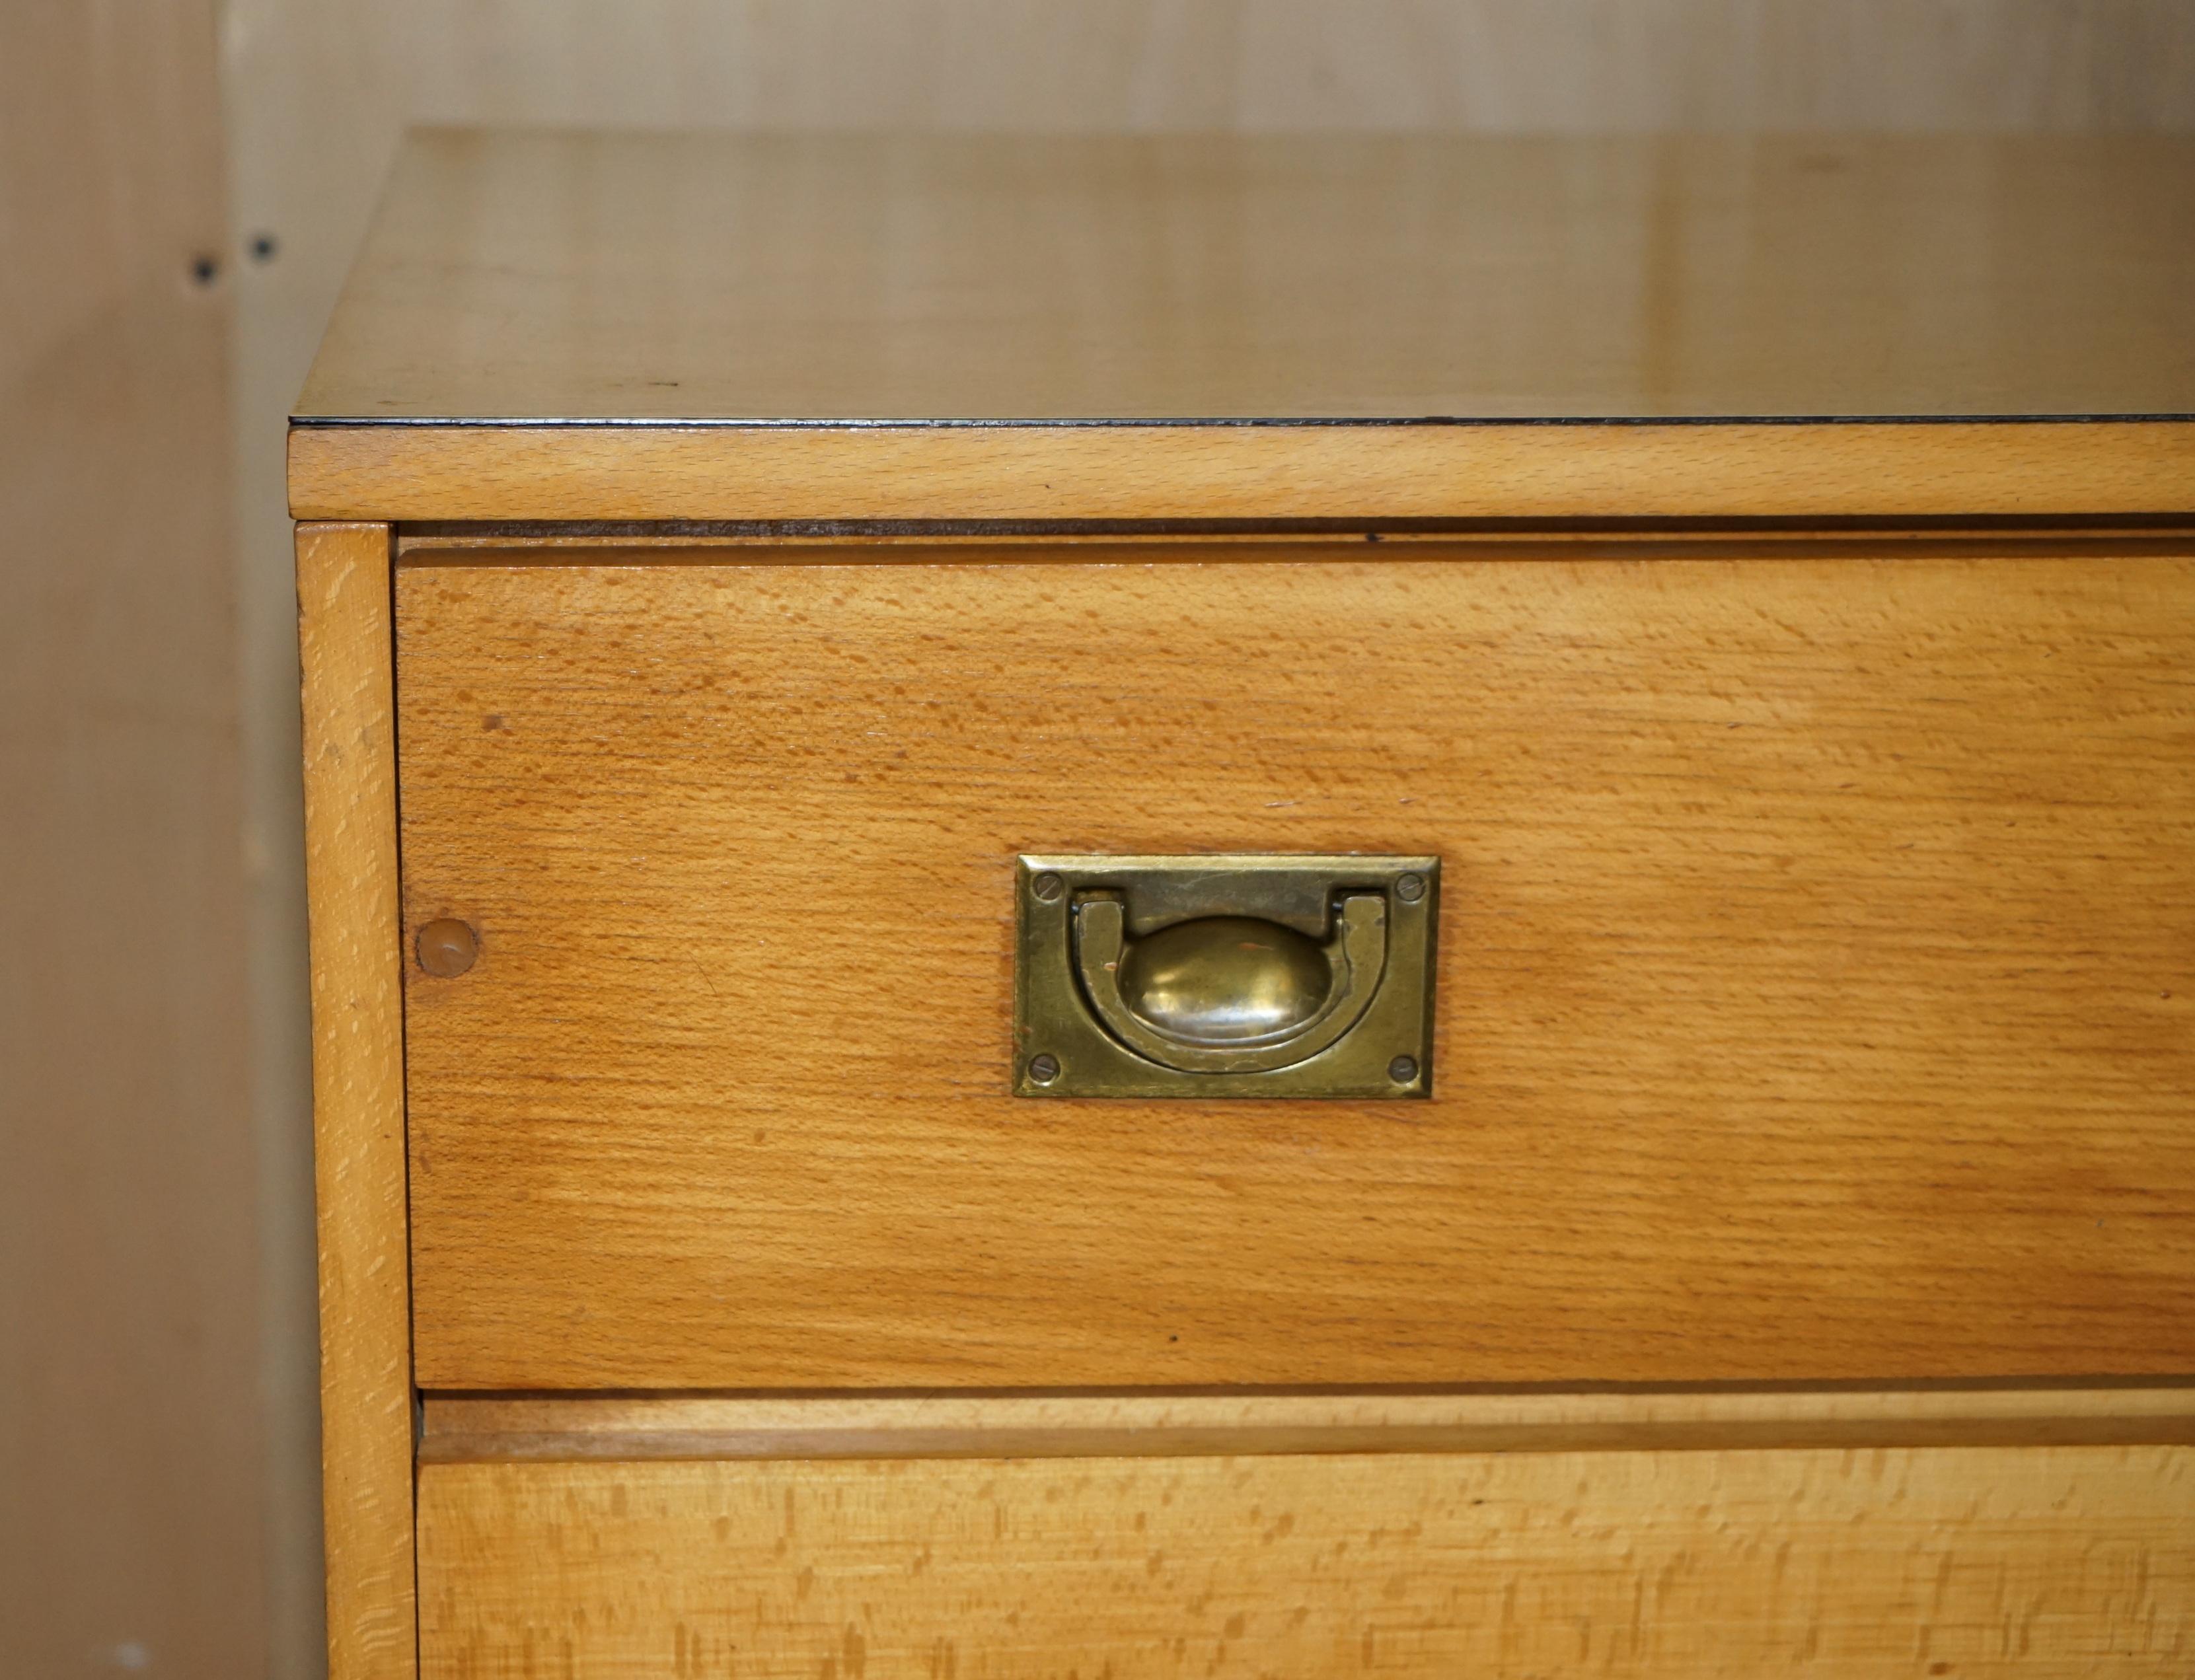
x: 2069, y: 1562
x: 1814, y: 991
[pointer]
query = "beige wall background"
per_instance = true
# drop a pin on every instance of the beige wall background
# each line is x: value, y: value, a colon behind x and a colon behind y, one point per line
x: 130, y: 1444
x: 158, y: 1482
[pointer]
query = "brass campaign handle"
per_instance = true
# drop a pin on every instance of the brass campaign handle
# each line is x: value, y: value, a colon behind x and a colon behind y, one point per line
x: 1230, y: 995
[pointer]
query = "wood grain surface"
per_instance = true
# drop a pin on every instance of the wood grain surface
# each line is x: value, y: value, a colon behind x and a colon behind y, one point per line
x: 1174, y: 473
x: 1815, y: 996
x: 1022, y: 282
x: 344, y: 634
x: 460, y: 1429
x: 2073, y: 1562
x: 539, y: 274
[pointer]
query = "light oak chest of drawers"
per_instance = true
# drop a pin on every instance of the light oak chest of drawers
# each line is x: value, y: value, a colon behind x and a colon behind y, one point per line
x: 1721, y: 615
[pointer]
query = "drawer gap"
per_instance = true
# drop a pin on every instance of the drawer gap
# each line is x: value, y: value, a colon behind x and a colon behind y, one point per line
x: 473, y: 1428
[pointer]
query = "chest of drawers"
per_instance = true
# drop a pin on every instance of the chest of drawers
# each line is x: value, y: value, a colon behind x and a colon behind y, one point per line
x: 1256, y: 908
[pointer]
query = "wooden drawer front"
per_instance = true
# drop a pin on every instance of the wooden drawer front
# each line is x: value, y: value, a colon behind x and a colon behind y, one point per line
x: 1816, y: 992
x: 2074, y: 1562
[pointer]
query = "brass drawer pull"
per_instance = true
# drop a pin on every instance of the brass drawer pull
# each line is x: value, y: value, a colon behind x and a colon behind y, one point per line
x: 1230, y: 995
x: 1224, y: 976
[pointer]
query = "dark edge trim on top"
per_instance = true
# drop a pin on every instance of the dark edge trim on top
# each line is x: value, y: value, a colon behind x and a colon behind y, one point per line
x: 1186, y: 423
x: 1552, y: 1389
x: 1369, y: 530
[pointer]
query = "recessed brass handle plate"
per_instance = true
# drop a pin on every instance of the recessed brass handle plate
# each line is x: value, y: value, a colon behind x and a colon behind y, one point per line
x: 1236, y: 976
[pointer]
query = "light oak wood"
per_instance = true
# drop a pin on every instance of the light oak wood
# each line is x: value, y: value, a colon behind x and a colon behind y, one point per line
x: 554, y: 543
x: 1358, y: 473
x: 140, y: 1482
x: 1179, y: 282
x: 318, y: 90
x: 461, y: 1429
x: 1748, y: 1071
x: 2073, y: 1562
x: 1818, y: 956
x: 358, y: 1097
x: 712, y: 277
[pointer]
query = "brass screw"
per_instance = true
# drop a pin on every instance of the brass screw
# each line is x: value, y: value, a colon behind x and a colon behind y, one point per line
x: 1410, y: 888
x: 1044, y: 1069
x: 1402, y: 1069
x: 447, y: 947
x: 1047, y: 886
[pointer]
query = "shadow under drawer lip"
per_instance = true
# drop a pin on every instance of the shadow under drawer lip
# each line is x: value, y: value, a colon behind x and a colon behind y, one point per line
x: 464, y: 1427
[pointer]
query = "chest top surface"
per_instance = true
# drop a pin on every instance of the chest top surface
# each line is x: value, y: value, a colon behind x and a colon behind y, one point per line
x: 558, y: 325
x: 570, y: 276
